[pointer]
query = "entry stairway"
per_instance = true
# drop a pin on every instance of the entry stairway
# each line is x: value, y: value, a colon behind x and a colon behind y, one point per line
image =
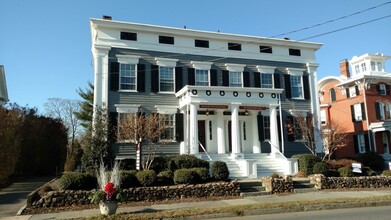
x: 251, y: 165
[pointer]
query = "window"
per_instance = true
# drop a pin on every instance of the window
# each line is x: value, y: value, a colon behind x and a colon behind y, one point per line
x: 294, y: 52
x: 332, y: 95
x: 373, y: 65
x: 296, y: 87
x: 266, y: 80
x: 388, y: 111
x: 235, y: 79
x: 166, y: 40
x: 357, y: 112
x: 169, y: 123
x: 382, y: 89
x: 266, y: 127
x: 380, y: 110
x: 201, y: 43
x: 201, y: 77
x: 361, y: 143
x: 363, y: 67
x: 127, y: 77
x: 323, y: 118
x: 234, y: 46
x: 125, y: 120
x: 379, y: 66
x: 166, y: 79
x: 128, y: 36
x: 353, y: 91
x: 265, y: 49
x: 357, y: 68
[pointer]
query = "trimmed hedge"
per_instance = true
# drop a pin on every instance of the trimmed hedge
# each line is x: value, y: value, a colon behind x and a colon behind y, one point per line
x: 186, y: 161
x: 220, y: 170
x: 146, y: 177
x: 202, y: 174
x: 306, y: 162
x: 320, y: 168
x: 372, y: 160
x: 129, y: 179
x: 165, y: 177
x: 77, y: 181
x: 185, y: 176
x: 345, y: 172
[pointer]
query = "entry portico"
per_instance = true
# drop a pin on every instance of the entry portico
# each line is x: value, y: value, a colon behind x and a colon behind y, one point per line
x: 232, y: 116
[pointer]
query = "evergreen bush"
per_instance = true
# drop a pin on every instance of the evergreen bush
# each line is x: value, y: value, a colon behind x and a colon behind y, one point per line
x: 129, y: 179
x: 386, y: 173
x: 186, y: 161
x: 202, y: 174
x: 320, y: 168
x: 372, y: 160
x: 77, y: 181
x: 306, y: 162
x: 345, y: 172
x: 185, y: 176
x: 220, y: 170
x: 146, y: 177
x: 165, y: 177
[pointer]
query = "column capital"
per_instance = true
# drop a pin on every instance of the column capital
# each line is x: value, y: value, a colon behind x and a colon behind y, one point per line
x: 273, y: 105
x: 101, y: 50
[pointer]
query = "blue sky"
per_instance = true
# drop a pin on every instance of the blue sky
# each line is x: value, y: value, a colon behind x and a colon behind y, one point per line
x: 45, y: 45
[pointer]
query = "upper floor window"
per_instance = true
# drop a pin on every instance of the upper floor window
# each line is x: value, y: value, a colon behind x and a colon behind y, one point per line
x: 353, y: 91
x: 296, y: 86
x: 266, y: 80
x: 357, y: 68
x: 128, y: 36
x: 128, y: 77
x: 234, y: 46
x: 294, y: 52
x: 379, y: 66
x: 166, y: 40
x: 373, y: 65
x: 201, y: 77
x: 235, y: 79
x: 382, y: 89
x: 379, y: 111
x: 388, y: 111
x: 201, y: 43
x: 332, y: 95
x: 363, y: 67
x: 358, y: 112
x: 265, y: 49
x: 323, y: 118
x: 166, y: 79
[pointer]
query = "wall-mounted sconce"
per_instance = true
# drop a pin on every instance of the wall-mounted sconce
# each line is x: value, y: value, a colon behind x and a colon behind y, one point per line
x: 207, y: 112
x: 246, y: 112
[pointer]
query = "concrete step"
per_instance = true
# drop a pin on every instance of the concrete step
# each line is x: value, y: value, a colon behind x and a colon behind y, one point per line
x: 252, y: 188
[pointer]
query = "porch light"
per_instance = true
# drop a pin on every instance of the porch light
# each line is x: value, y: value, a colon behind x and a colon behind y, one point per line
x: 246, y: 112
x: 207, y: 112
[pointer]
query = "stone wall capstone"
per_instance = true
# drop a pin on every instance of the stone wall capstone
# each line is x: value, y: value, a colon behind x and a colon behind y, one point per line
x: 278, y: 185
x: 369, y: 182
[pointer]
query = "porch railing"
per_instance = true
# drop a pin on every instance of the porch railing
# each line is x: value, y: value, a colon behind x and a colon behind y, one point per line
x: 203, y: 148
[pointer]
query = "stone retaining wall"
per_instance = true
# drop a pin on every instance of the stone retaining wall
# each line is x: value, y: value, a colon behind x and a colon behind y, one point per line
x: 368, y: 182
x: 73, y: 198
x: 278, y: 185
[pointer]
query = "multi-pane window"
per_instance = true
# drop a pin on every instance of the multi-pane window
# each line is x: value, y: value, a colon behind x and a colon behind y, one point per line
x: 361, y: 143
x: 363, y: 67
x: 235, y: 79
x: 323, y: 118
x: 166, y: 79
x: 296, y: 87
x: 373, y: 65
x: 266, y: 127
x: 125, y: 120
x: 388, y: 111
x: 333, y: 97
x: 382, y: 89
x: 380, y: 110
x: 357, y: 68
x: 266, y: 80
x: 201, y: 77
x: 352, y: 91
x: 128, y: 77
x: 169, y: 131
x: 379, y: 66
x: 357, y: 112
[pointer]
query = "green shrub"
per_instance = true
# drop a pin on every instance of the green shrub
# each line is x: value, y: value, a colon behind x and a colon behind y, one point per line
x: 159, y: 164
x: 367, y: 171
x: 372, y: 160
x: 202, y: 174
x: 220, y: 170
x: 165, y: 177
x: 146, y: 177
x: 186, y: 161
x: 185, y: 176
x: 386, y: 173
x: 77, y: 181
x: 320, y: 168
x: 306, y: 162
x: 129, y: 179
x: 345, y: 172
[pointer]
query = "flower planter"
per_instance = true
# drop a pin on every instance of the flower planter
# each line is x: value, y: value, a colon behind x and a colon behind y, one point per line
x: 108, y: 207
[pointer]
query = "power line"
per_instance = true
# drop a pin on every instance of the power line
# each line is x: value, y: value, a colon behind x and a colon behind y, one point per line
x: 332, y: 20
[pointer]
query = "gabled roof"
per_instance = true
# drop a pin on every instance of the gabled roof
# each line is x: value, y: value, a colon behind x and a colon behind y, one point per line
x: 3, y: 86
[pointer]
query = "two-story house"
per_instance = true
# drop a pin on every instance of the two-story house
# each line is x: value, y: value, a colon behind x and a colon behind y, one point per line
x: 225, y: 96
x: 359, y: 101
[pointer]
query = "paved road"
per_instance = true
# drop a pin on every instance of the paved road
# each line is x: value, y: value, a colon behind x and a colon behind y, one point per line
x: 13, y: 197
x: 362, y: 213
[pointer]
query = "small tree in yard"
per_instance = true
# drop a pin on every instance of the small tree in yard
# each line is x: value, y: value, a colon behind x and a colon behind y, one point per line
x: 140, y: 128
x: 304, y: 129
x: 334, y: 138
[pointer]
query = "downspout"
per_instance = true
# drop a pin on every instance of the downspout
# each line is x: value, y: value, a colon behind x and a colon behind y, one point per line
x: 366, y: 116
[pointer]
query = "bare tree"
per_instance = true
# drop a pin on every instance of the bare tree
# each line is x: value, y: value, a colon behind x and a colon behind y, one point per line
x: 303, y: 129
x: 140, y: 128
x: 334, y: 137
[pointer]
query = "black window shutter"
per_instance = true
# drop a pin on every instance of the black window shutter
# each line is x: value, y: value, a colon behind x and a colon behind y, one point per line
x: 352, y: 113
x: 288, y: 92
x: 277, y: 81
x: 178, y: 79
x: 355, y: 141
x: 261, y: 132
x: 191, y: 76
x: 179, y: 127
x: 378, y: 88
x: 332, y: 94
x: 377, y: 108
x: 225, y: 78
x: 347, y: 93
x: 357, y: 90
x: 257, y: 79
x: 246, y: 79
x: 363, y: 115
x: 290, y: 125
x: 141, y: 77
x: 366, y: 141
x: 387, y: 89
x: 306, y: 87
x: 213, y: 77
x: 113, y: 126
x: 154, y: 78
x: 114, y: 76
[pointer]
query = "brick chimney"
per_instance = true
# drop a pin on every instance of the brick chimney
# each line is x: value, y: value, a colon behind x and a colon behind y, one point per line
x: 344, y: 68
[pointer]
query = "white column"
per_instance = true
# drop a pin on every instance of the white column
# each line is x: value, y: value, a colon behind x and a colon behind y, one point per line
x: 184, y: 148
x: 256, y: 142
x: 193, y: 130
x: 274, y: 129
x: 100, y: 54
x: 235, y: 132
x: 313, y: 80
x: 220, y: 133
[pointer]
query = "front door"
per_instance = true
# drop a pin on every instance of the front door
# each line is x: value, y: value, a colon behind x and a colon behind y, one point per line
x: 201, y: 136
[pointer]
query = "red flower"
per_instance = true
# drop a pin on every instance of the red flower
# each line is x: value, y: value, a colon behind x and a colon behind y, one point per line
x: 111, y: 192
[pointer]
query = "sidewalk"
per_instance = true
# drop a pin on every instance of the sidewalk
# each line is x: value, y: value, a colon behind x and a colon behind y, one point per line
x: 231, y: 202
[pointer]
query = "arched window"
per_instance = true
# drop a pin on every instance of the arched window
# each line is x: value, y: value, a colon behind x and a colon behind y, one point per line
x: 332, y: 95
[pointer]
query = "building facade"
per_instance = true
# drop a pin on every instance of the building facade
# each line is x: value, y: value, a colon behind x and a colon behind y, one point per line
x: 225, y: 96
x: 359, y: 102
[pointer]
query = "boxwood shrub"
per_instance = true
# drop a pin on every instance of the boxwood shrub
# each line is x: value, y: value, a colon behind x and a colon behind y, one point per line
x: 306, y: 162
x: 185, y: 176
x: 146, y: 177
x: 78, y: 181
x: 165, y: 177
x: 202, y: 174
x: 186, y: 161
x: 220, y: 170
x: 129, y: 179
x: 320, y: 168
x: 345, y: 172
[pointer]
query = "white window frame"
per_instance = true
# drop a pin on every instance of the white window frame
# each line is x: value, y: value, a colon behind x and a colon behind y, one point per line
x: 270, y: 84
x: 381, y: 111
x: 170, y: 123
x: 383, y: 89
x: 128, y: 70
x: 388, y: 111
x: 201, y: 66
x: 200, y: 79
x: 168, y: 110
x: 363, y: 67
x: 357, y: 68
x: 235, y: 79
x: 127, y: 60
x: 379, y: 66
x: 266, y: 129
x: 352, y: 91
x: 373, y: 66
x: 167, y: 63
x: 323, y: 117
x: 357, y: 112
x: 361, y: 143
x: 269, y: 70
x: 298, y: 86
x: 170, y: 81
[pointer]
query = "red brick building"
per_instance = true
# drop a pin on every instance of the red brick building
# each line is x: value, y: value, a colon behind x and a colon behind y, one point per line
x: 359, y: 102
